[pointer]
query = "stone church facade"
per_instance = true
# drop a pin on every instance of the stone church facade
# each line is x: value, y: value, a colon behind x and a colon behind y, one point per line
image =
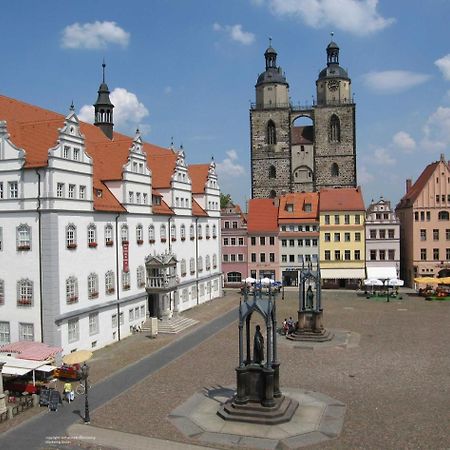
x: 290, y: 158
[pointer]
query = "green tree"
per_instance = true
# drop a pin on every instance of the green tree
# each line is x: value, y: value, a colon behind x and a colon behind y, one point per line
x: 224, y: 200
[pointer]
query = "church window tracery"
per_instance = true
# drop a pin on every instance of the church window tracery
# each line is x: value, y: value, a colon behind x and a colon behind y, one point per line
x: 272, y: 172
x: 334, y: 170
x: 271, y: 133
x: 335, y: 129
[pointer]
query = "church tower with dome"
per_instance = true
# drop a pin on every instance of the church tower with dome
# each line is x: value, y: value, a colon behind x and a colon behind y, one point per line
x: 286, y: 157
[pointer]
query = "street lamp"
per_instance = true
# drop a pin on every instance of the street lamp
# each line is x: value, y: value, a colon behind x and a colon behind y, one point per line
x: 85, y: 374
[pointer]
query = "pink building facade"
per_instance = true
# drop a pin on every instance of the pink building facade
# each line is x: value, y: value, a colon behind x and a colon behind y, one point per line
x: 424, y: 213
x: 234, y: 245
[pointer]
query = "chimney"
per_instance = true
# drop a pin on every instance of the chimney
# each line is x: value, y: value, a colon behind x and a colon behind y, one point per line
x: 408, y: 184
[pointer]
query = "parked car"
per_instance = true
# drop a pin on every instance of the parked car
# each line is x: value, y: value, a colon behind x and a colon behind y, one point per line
x: 66, y: 372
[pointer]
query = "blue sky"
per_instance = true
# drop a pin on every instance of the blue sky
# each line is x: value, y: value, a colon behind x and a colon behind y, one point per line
x: 187, y: 69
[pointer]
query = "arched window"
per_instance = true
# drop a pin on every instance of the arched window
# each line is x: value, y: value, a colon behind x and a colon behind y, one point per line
x: 443, y: 215
x: 183, y: 267
x: 2, y: 293
x: 207, y: 233
x: 109, y: 282
x: 334, y: 170
x: 199, y: 231
x: 208, y: 262
x: 192, y: 232
x: 335, y: 129
x: 214, y: 261
x: 124, y: 233
x: 24, y: 292
x: 23, y: 237
x: 151, y: 234
x: 271, y: 133
x: 273, y: 194
x: 272, y: 172
x: 234, y: 277
x: 173, y: 232
x: 92, y: 286
x: 109, y: 235
x: 92, y: 235
x: 214, y: 231
x: 163, y: 233
x: 71, y: 236
x: 192, y: 265
x: 139, y: 234
x: 71, y: 290
x: 140, y: 275
x: 200, y: 264
x: 183, y: 232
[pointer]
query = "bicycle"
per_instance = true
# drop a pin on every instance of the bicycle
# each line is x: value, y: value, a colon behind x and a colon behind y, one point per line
x: 81, y: 389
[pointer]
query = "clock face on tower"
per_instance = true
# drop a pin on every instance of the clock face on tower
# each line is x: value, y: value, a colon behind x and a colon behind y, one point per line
x: 333, y: 85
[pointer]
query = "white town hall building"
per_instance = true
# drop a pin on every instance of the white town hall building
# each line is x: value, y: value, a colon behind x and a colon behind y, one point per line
x: 81, y: 207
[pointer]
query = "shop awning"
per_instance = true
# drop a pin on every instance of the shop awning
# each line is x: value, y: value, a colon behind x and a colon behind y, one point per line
x: 382, y: 273
x: 14, y: 371
x: 342, y: 274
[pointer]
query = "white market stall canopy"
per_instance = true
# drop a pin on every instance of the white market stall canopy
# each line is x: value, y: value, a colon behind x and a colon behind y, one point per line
x: 18, y: 367
x: 382, y: 273
x: 342, y: 273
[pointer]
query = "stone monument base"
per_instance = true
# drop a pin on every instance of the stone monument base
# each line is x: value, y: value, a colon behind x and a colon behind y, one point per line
x: 310, y: 328
x: 254, y: 412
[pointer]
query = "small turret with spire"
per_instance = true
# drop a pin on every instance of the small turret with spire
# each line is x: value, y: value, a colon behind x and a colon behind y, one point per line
x: 104, y: 108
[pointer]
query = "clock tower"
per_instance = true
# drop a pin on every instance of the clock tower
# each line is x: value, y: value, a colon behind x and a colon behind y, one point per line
x: 334, y: 126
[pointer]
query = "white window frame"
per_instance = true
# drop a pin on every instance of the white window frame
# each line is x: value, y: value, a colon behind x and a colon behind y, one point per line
x: 124, y: 233
x: 25, y: 293
x: 109, y: 282
x: 151, y: 234
x: 5, y: 333
x: 93, y: 324
x: 73, y: 330
x: 71, y: 290
x: 60, y: 190
x: 109, y: 239
x: 82, y: 192
x: 140, y: 276
x: 126, y: 281
x: 23, y: 232
x: 26, y: 331
x: 71, y: 236
x: 139, y: 234
x: 91, y: 234
x: 72, y: 191
x: 92, y: 286
x: 13, y: 189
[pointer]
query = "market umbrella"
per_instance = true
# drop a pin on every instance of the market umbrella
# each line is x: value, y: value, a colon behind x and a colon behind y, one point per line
x: 445, y: 280
x: 77, y: 357
x: 373, y: 282
x: 250, y: 280
x: 267, y: 281
x: 394, y: 282
x: 427, y: 280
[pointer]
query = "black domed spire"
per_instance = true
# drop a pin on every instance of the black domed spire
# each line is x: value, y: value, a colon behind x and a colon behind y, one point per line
x: 273, y: 73
x: 104, y: 108
x: 332, y: 52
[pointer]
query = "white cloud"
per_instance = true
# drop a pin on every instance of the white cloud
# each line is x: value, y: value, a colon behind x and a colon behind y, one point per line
x: 359, y: 17
x: 437, y: 130
x: 235, y: 33
x: 128, y: 112
x: 94, y: 36
x: 444, y: 66
x: 229, y: 167
x: 364, y: 176
x: 393, y: 81
x: 404, y: 141
x: 382, y: 157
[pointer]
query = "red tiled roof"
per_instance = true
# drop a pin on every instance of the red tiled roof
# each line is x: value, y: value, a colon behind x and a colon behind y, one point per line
x: 199, y: 175
x: 341, y: 199
x: 197, y: 210
x: 298, y: 200
x: 418, y: 186
x: 35, y: 351
x: 36, y: 131
x: 302, y: 135
x: 262, y: 215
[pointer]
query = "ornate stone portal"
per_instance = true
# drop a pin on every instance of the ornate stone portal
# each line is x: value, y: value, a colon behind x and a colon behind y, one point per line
x: 258, y: 398
x: 310, y: 312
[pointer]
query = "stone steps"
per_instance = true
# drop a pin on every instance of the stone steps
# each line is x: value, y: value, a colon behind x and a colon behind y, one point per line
x: 171, y: 326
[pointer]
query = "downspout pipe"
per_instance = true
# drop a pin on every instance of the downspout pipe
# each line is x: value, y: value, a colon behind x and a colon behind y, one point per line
x: 117, y: 277
x: 41, y: 275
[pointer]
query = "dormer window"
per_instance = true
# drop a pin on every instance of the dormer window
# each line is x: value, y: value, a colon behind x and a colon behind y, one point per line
x: 66, y: 152
x: 156, y: 200
x: 289, y: 207
x: 308, y: 207
x: 76, y: 154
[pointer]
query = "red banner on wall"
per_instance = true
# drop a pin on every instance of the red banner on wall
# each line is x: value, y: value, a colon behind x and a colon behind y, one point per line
x: 125, y: 256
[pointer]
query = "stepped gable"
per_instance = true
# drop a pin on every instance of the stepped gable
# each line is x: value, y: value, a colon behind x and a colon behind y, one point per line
x: 262, y: 216
x: 298, y: 213
x: 341, y: 199
x: 35, y: 130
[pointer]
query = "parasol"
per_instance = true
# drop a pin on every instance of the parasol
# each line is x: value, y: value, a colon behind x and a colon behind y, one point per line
x: 77, y: 357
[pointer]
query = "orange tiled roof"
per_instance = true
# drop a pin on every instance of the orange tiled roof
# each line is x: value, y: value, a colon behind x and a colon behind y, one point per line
x: 302, y: 135
x: 341, y: 199
x: 197, y: 210
x: 36, y: 131
x: 199, y: 175
x: 298, y: 200
x: 417, y: 187
x: 262, y: 216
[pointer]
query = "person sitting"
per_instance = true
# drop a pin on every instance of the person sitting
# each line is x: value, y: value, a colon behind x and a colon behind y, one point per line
x: 285, y: 328
x: 290, y: 324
